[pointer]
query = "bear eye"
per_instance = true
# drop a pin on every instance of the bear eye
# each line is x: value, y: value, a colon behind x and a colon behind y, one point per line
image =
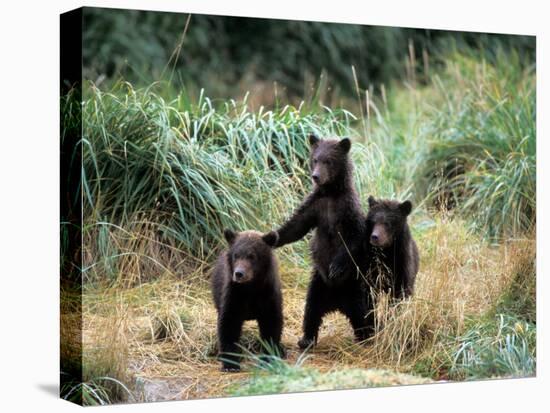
x: 251, y: 257
x: 328, y: 163
x: 314, y: 160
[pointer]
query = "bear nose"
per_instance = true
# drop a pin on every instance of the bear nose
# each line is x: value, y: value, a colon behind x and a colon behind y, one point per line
x: 315, y: 178
x: 374, y: 237
x: 239, y: 275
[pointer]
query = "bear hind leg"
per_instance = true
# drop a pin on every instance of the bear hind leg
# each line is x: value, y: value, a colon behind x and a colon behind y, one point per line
x: 360, y: 317
x: 317, y: 305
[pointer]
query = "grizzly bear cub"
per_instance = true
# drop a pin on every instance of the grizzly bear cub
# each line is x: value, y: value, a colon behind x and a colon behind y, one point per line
x: 246, y: 286
x: 333, y: 211
x: 393, y: 254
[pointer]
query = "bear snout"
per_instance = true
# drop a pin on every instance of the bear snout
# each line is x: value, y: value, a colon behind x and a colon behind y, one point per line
x: 315, y: 178
x: 316, y: 175
x: 320, y: 176
x: 239, y: 275
x: 242, y: 272
x: 375, y: 239
x: 379, y: 237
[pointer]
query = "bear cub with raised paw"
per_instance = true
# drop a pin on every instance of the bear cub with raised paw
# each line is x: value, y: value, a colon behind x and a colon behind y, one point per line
x: 246, y: 286
x: 393, y: 262
x: 333, y: 211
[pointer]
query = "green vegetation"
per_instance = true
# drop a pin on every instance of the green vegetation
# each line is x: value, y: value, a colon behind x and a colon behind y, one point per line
x: 481, y: 155
x: 98, y: 392
x: 199, y: 167
x: 271, y: 374
x: 467, y: 142
x: 495, y: 348
x: 229, y: 56
x: 185, y: 171
x: 165, y: 170
x: 294, y: 379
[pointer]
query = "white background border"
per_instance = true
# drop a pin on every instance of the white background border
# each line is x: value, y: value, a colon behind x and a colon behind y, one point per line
x: 29, y: 173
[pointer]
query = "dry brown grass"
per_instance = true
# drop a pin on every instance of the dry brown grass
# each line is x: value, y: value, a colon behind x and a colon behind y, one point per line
x: 158, y: 325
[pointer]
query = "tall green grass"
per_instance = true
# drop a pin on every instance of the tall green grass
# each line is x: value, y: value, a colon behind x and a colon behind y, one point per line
x: 196, y: 168
x: 481, y: 156
x: 466, y: 141
x: 505, y: 347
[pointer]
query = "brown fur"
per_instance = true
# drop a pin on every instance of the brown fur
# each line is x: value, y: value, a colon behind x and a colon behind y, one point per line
x: 333, y: 210
x: 255, y: 294
x: 394, y: 259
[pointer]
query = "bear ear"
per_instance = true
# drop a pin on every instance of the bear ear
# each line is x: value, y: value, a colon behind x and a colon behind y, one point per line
x: 313, y: 140
x: 372, y: 201
x: 271, y: 238
x: 406, y: 207
x: 229, y: 235
x: 345, y: 145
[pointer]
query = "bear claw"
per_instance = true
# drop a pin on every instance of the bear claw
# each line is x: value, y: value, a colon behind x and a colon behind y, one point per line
x: 230, y: 369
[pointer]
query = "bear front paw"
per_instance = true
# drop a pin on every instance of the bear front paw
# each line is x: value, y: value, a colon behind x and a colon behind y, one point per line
x: 230, y: 368
x: 281, y: 351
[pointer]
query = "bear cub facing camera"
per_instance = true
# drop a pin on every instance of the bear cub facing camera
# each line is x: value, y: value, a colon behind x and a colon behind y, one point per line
x: 393, y: 263
x: 246, y: 286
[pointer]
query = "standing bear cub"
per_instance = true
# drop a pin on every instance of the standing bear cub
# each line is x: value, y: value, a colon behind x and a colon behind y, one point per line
x: 246, y: 286
x: 393, y: 263
x: 333, y: 210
